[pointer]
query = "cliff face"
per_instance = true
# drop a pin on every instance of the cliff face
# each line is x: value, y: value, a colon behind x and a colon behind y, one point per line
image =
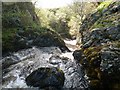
x: 100, y: 33
x: 21, y: 29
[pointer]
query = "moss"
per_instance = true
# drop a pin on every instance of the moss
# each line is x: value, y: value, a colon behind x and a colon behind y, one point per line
x: 92, y: 51
x: 20, y: 24
x: 7, y: 38
x: 93, y: 70
x: 106, y: 21
x: 92, y: 54
x: 94, y: 83
x: 104, y: 5
x: 106, y: 16
x: 18, y: 14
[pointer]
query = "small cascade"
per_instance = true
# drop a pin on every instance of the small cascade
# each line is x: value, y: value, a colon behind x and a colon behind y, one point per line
x: 31, y: 59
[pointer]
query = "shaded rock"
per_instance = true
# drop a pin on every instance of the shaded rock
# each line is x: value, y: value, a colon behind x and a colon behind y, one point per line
x: 46, y: 77
x: 99, y: 36
x: 110, y: 66
x: 87, y: 44
x: 74, y: 75
x: 17, y: 57
x: 100, y: 33
x: 115, y: 9
x: 78, y: 55
x: 6, y: 62
x: 102, y: 65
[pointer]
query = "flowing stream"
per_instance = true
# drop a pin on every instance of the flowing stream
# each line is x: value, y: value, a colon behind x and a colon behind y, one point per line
x: 28, y: 60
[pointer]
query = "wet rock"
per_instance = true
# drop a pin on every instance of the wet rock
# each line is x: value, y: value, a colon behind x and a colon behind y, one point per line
x: 78, y: 55
x: 17, y: 57
x: 46, y: 57
x: 6, y: 62
x: 74, y: 74
x: 55, y: 60
x: 46, y: 77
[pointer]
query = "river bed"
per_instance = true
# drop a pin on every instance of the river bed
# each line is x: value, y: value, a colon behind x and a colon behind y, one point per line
x: 28, y: 60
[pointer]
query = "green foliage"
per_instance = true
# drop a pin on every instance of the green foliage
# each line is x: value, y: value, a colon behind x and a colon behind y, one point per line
x: 7, y: 39
x: 104, y: 5
x: 20, y: 24
x: 66, y: 21
x: 107, y: 20
x: 18, y: 15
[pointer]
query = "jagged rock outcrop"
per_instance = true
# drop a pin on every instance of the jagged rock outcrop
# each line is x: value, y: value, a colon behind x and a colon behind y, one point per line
x: 21, y: 29
x: 101, y: 46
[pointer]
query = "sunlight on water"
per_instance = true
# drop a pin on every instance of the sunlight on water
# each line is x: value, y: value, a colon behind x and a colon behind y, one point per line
x: 72, y: 42
x: 19, y: 82
x: 68, y: 55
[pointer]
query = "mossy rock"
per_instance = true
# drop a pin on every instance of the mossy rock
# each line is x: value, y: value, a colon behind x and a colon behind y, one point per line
x: 106, y: 15
x: 103, y: 66
x: 46, y: 77
x: 16, y: 39
x: 21, y: 29
x: 100, y: 34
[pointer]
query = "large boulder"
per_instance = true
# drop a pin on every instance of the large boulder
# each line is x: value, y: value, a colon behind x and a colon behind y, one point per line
x: 78, y: 55
x: 46, y: 77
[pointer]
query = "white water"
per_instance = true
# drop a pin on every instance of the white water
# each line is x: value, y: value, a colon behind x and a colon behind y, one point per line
x: 71, y: 44
x: 34, y: 58
x: 14, y: 79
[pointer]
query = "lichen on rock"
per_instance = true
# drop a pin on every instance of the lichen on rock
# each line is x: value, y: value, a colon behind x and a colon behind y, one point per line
x: 101, y: 46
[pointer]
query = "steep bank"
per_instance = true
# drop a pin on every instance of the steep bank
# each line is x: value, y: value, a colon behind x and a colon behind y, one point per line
x: 100, y: 33
x: 21, y: 29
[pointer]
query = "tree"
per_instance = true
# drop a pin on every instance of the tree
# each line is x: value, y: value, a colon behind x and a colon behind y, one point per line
x: 81, y: 10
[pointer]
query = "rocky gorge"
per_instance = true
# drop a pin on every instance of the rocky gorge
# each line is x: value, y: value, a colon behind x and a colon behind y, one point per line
x: 38, y: 58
